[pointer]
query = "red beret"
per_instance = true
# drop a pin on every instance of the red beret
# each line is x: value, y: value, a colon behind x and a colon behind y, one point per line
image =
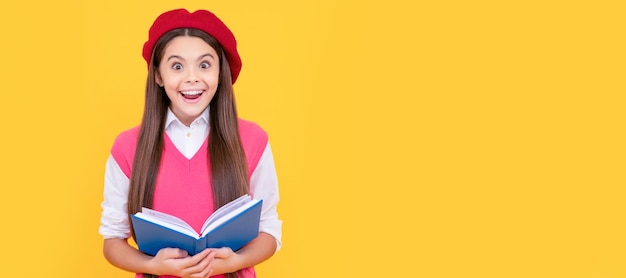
x: 201, y: 20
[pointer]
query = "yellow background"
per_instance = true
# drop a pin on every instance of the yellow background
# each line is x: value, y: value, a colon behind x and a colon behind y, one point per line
x: 412, y: 138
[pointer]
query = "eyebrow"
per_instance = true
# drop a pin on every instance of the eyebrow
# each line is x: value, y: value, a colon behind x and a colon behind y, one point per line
x: 199, y: 58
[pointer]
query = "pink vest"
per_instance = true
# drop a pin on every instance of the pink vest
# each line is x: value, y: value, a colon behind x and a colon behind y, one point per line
x: 183, y: 187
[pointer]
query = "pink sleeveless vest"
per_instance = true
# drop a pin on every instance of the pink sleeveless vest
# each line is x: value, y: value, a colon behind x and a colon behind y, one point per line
x: 183, y: 187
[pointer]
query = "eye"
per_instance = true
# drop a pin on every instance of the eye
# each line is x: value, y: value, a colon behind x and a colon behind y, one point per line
x: 177, y: 66
x: 205, y: 65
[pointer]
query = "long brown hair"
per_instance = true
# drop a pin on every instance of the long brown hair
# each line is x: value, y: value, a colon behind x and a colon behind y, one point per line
x: 225, y: 152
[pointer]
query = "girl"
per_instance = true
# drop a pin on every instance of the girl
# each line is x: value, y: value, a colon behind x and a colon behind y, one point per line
x: 191, y: 154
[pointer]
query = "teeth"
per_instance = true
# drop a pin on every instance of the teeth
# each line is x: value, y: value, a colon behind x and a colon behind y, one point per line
x: 192, y: 93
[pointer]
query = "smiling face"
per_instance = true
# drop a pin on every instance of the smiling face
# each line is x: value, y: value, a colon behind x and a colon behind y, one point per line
x: 189, y: 73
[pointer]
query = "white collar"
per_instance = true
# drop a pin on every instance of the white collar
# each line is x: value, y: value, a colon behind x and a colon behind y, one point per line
x: 170, y: 118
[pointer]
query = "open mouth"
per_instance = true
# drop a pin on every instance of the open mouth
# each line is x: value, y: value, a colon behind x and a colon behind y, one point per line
x: 191, y: 95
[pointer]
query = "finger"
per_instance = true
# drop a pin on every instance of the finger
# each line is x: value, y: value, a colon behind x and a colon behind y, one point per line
x: 187, y: 265
x: 198, y: 258
x: 211, y: 266
x: 206, y: 272
x: 173, y: 253
x: 182, y: 253
x: 177, y: 253
x: 202, y: 268
x: 223, y: 252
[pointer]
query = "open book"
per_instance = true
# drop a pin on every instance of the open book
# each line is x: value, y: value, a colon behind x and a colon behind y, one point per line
x: 233, y: 225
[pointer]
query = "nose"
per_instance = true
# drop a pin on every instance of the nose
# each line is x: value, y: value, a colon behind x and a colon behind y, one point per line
x: 192, y: 76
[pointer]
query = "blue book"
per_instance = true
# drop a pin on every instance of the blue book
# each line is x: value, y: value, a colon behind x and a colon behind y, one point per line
x: 233, y: 225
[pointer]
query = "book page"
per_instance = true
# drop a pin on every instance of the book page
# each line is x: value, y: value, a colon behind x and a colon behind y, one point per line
x: 166, y: 220
x: 228, y: 214
x: 225, y: 209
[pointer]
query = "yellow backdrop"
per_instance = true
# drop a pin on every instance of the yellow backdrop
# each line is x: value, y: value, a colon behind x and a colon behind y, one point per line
x: 412, y: 138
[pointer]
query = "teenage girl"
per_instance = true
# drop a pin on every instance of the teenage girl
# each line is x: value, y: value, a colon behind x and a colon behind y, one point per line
x: 191, y: 154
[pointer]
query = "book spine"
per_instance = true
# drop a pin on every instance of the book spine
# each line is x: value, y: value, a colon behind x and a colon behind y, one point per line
x: 200, y: 245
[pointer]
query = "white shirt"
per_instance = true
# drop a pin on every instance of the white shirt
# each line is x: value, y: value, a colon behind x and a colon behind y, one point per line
x: 188, y: 140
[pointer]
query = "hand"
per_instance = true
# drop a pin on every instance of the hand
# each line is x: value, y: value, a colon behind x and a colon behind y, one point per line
x: 174, y: 261
x: 226, y: 261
